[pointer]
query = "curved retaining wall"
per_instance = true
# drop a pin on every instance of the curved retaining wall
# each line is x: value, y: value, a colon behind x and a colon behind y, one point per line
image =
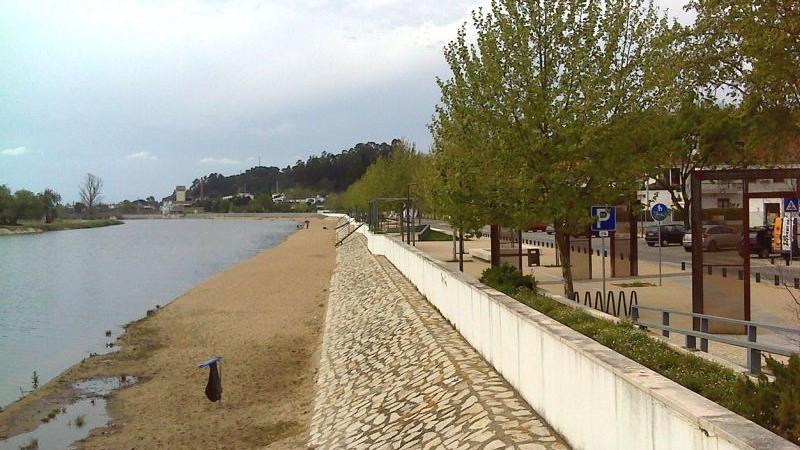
x: 594, y: 397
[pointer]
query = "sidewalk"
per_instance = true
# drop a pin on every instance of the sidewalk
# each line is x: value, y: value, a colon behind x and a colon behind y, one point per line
x: 394, y: 373
x: 769, y: 303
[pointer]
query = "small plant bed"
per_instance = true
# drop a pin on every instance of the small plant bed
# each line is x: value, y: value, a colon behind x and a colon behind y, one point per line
x: 433, y: 235
x: 634, y: 284
x: 775, y: 405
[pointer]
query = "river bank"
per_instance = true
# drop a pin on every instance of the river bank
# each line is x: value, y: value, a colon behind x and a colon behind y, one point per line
x: 59, y: 225
x: 263, y: 315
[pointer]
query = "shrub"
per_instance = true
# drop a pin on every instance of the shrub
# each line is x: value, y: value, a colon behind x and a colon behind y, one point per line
x: 774, y: 404
x: 507, y: 279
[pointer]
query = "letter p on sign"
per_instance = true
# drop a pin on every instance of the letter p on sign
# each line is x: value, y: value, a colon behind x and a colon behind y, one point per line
x: 604, y: 218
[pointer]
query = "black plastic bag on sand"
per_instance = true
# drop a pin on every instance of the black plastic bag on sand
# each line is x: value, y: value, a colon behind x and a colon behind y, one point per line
x: 214, y: 386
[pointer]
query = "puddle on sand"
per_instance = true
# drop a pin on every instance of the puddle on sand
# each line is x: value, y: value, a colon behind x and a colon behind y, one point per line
x: 63, y: 430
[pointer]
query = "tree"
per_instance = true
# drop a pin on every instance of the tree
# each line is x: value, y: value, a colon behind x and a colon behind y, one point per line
x: 50, y: 199
x: 698, y: 135
x: 531, y: 103
x: 90, y: 193
x: 6, y: 205
x: 749, y: 51
x: 388, y: 177
x: 261, y: 203
x: 26, y: 206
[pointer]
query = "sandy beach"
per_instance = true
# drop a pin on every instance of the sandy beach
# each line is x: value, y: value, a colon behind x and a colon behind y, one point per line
x: 264, y: 316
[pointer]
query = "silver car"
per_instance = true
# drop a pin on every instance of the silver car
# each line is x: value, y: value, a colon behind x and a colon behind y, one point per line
x: 715, y: 237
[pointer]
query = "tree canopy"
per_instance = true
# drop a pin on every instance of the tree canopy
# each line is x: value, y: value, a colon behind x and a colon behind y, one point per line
x: 323, y: 174
x: 529, y: 124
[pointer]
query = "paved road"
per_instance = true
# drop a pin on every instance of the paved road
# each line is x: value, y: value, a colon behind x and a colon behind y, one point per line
x: 395, y: 374
x: 675, y: 254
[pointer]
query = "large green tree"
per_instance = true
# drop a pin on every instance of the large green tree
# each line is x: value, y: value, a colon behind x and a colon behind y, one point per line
x: 50, y: 200
x: 749, y: 52
x: 531, y: 102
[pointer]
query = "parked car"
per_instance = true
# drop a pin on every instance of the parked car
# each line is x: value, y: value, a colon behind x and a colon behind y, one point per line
x: 550, y: 229
x: 670, y: 234
x: 760, y: 242
x: 535, y: 226
x: 715, y: 237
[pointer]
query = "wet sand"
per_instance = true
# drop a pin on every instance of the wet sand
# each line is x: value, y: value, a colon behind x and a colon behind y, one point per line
x: 264, y: 316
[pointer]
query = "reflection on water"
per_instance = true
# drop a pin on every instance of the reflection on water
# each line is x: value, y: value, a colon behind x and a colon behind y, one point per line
x: 73, y: 422
x: 61, y: 292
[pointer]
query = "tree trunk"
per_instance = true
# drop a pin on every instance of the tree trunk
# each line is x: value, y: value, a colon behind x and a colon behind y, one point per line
x: 455, y: 250
x: 495, y: 245
x: 562, y: 242
x: 461, y: 250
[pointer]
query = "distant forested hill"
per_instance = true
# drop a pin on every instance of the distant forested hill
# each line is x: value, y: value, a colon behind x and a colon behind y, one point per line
x: 322, y: 174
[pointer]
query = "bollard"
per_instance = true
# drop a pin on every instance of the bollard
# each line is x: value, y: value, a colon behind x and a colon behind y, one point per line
x: 683, y: 265
x: 753, y: 355
x: 758, y: 277
x: 777, y: 280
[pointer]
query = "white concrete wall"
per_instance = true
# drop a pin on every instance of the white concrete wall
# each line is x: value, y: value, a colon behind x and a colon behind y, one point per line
x: 594, y: 397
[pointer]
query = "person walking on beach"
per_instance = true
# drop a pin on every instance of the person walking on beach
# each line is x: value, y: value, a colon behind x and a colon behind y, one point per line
x: 307, y: 222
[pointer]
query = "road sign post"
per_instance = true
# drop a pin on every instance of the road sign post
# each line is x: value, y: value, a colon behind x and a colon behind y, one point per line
x: 604, y: 220
x: 791, y: 208
x: 659, y: 212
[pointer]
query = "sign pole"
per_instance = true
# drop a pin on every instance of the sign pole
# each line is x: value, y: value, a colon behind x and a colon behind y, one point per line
x: 603, y: 240
x: 659, y: 211
x: 604, y: 220
x: 660, y: 244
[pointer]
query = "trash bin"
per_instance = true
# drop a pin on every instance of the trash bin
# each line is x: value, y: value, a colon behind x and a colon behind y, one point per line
x: 534, y: 257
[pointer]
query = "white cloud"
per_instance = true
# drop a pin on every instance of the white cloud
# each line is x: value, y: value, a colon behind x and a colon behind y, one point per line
x: 18, y: 151
x: 142, y: 156
x: 218, y: 161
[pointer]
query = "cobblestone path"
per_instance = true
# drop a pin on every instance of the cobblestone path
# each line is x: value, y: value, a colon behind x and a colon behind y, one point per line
x: 395, y: 374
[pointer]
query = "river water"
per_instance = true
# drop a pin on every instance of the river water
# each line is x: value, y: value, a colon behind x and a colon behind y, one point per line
x: 60, y: 291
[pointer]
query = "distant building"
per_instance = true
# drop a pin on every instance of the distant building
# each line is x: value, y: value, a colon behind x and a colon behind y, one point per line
x: 239, y: 195
x: 180, y: 194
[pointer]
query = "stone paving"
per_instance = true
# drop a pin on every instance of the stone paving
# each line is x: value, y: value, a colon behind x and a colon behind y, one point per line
x: 394, y: 374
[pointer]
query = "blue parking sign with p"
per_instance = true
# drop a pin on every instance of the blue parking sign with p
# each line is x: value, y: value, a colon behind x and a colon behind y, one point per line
x: 604, y: 218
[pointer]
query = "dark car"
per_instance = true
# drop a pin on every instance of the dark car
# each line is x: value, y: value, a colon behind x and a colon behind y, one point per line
x: 760, y: 242
x: 670, y: 234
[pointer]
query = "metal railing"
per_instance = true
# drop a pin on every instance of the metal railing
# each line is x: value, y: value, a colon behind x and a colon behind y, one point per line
x: 616, y: 305
x: 753, y: 347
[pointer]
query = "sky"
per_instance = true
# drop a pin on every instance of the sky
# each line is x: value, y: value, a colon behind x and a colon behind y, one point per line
x: 152, y: 94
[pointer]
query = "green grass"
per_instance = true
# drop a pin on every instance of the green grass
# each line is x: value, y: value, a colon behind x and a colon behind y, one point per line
x: 59, y: 225
x: 433, y: 235
x: 707, y: 378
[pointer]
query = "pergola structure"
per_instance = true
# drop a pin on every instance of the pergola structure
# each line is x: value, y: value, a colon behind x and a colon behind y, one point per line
x: 720, y: 276
x: 377, y: 220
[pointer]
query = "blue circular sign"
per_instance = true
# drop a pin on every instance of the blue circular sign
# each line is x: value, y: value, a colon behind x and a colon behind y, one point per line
x: 659, y: 211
